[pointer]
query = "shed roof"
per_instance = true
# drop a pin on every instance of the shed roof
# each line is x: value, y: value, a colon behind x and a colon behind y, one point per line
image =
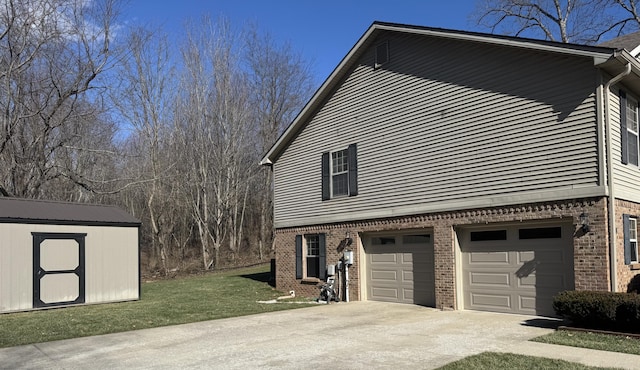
x: 15, y: 210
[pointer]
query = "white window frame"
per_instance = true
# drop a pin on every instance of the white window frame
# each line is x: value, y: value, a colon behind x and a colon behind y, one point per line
x: 631, y: 112
x: 343, y: 172
x: 305, y: 254
x: 633, y: 239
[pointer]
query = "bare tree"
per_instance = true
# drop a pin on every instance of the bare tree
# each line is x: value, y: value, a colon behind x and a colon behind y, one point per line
x: 213, y: 125
x: 88, y: 161
x: 628, y: 16
x: 144, y: 98
x: 193, y: 132
x: 579, y: 21
x: 281, y: 84
x: 52, y: 53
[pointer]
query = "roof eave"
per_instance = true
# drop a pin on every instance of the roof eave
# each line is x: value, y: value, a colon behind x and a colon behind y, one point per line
x: 539, y: 45
x: 317, y: 97
x: 617, y: 63
x: 43, y: 221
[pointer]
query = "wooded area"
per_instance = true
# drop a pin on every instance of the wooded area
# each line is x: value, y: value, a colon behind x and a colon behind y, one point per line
x: 94, y: 111
x: 171, y: 129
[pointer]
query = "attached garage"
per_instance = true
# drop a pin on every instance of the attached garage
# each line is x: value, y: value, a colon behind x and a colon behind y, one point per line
x: 516, y: 269
x: 58, y: 254
x: 400, y: 268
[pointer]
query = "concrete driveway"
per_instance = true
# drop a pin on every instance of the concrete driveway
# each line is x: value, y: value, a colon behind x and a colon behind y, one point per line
x: 357, y: 335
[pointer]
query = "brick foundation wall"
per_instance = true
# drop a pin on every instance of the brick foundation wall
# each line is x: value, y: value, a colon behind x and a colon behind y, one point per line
x: 624, y: 272
x: 590, y: 249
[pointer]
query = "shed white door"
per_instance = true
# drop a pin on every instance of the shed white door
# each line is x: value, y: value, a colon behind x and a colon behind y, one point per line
x: 516, y: 269
x: 400, y: 269
x: 58, y: 269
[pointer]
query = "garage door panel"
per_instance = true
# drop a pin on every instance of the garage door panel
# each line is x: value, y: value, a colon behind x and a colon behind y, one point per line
x: 489, y: 278
x: 385, y: 293
x: 556, y: 257
x: 525, y: 256
x: 489, y: 257
x: 542, y: 302
x: 424, y: 295
x: 551, y: 281
x: 407, y: 276
x: 384, y: 275
x: 517, y: 275
x: 499, y: 302
x: 527, y: 282
x: 423, y: 279
x: 527, y: 303
x: 402, y: 272
x: 422, y: 258
x: 408, y: 294
x: 384, y: 258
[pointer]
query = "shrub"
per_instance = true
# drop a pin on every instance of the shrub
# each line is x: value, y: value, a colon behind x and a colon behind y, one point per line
x: 600, y: 310
x: 634, y: 284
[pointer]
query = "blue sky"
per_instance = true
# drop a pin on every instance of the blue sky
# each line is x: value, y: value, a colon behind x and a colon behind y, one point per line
x: 323, y: 31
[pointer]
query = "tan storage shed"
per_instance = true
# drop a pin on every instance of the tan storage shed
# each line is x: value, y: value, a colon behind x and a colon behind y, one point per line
x: 59, y: 254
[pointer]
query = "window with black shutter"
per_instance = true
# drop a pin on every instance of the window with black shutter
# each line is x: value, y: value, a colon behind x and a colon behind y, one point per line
x: 311, y: 257
x: 340, y: 173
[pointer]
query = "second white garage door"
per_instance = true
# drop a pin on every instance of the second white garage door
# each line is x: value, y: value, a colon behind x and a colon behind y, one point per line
x: 400, y: 268
x: 516, y: 269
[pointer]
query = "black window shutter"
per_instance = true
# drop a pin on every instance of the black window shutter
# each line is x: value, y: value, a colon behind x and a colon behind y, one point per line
x: 325, y: 176
x: 627, y: 243
x: 298, y: 256
x: 353, y: 169
x: 322, y: 256
x: 623, y: 127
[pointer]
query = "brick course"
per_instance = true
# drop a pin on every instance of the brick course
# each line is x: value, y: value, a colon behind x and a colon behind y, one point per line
x: 624, y: 272
x: 591, y: 259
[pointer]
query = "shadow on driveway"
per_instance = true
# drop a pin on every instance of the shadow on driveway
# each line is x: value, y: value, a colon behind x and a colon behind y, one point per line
x: 545, y: 323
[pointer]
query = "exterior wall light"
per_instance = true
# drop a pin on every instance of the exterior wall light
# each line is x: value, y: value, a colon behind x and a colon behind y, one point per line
x: 584, y: 222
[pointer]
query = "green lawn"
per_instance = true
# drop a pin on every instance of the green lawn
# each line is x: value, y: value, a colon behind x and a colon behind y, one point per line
x: 591, y: 340
x: 604, y: 342
x: 165, y: 302
x: 509, y: 361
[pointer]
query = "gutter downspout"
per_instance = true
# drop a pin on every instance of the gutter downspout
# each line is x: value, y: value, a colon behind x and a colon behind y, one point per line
x: 613, y: 268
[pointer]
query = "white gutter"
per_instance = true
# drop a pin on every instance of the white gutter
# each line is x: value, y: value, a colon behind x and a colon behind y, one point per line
x: 611, y: 206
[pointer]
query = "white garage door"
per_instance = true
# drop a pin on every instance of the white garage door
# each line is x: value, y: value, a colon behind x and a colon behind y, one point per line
x: 516, y: 269
x: 400, y: 268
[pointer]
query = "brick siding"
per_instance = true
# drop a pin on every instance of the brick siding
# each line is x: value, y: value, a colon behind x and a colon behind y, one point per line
x: 591, y: 259
x: 624, y: 273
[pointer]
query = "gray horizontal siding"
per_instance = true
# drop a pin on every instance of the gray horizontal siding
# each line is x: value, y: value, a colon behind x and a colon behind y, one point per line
x: 626, y: 176
x: 447, y: 123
